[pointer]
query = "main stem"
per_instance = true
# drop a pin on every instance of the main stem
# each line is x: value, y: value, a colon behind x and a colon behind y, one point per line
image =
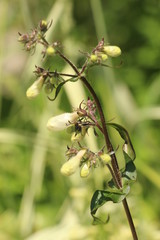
x: 116, y: 173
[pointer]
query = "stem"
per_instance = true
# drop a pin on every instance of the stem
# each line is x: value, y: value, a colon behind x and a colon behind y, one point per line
x: 130, y: 221
x: 115, y: 173
x: 105, y: 132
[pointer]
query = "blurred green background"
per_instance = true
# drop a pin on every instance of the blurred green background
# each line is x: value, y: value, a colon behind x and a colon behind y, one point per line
x: 36, y: 202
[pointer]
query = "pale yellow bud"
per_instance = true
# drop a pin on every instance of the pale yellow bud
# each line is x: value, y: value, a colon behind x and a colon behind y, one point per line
x: 61, y: 121
x: 93, y: 57
x: 50, y: 51
x: 85, y: 170
x: 106, y: 158
x: 72, y: 164
x: 34, y: 90
x: 103, y: 56
x: 112, y: 51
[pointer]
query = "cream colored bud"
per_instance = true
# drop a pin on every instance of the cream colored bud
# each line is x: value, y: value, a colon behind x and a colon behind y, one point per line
x: 72, y: 164
x: 106, y: 158
x: 61, y: 121
x: 34, y: 90
x: 93, y: 58
x: 50, y: 51
x: 112, y: 51
x: 85, y: 170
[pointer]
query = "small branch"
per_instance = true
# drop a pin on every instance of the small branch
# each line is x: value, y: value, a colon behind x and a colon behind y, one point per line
x: 68, y: 61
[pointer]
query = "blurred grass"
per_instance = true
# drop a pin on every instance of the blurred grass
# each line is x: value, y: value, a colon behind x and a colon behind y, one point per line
x: 34, y: 197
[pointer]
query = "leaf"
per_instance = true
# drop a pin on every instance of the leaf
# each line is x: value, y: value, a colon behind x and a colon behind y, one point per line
x: 130, y: 170
x: 60, y: 86
x: 129, y: 154
x: 127, y: 146
x: 100, y: 197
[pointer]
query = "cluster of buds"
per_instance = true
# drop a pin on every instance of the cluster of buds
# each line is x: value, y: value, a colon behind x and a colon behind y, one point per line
x: 48, y: 80
x: 77, y: 123
x: 31, y: 39
x: 37, y: 35
x: 102, y: 52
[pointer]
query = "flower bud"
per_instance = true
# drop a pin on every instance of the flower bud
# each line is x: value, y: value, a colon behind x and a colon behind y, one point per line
x: 34, y: 90
x: 77, y: 137
x: 43, y: 25
x: 61, y: 121
x: 103, y: 56
x: 72, y: 164
x: 50, y: 51
x: 106, y: 158
x: 48, y: 88
x: 23, y: 38
x: 85, y: 170
x: 112, y: 51
x: 93, y: 58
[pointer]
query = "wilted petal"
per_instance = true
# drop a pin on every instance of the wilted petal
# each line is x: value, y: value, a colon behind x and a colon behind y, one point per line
x: 34, y: 90
x: 61, y: 121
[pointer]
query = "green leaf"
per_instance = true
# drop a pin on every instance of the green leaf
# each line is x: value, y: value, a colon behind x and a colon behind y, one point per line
x: 60, y: 86
x: 100, y: 197
x: 127, y: 146
x: 130, y: 170
x: 129, y: 154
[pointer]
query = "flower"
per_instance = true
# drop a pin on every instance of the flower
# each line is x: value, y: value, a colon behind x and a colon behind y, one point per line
x: 61, y: 122
x: 112, y: 51
x: 85, y: 170
x: 78, y: 136
x: 106, y: 158
x: 72, y: 164
x: 50, y: 51
x: 34, y: 90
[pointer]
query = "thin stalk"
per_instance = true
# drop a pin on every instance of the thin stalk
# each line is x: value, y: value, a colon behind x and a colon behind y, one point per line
x: 130, y: 221
x: 105, y: 132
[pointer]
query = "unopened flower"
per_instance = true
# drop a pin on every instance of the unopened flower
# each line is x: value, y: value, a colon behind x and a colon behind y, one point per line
x: 78, y: 136
x: 103, y: 56
x: 112, y: 51
x: 50, y: 51
x: 106, y: 158
x: 61, y: 121
x: 85, y: 170
x: 43, y: 25
x: 72, y: 164
x: 48, y: 88
x: 93, y: 58
x: 34, y: 90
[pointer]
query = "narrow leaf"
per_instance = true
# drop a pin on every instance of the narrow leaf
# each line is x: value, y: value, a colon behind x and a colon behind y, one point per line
x: 127, y: 146
x: 60, y: 86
